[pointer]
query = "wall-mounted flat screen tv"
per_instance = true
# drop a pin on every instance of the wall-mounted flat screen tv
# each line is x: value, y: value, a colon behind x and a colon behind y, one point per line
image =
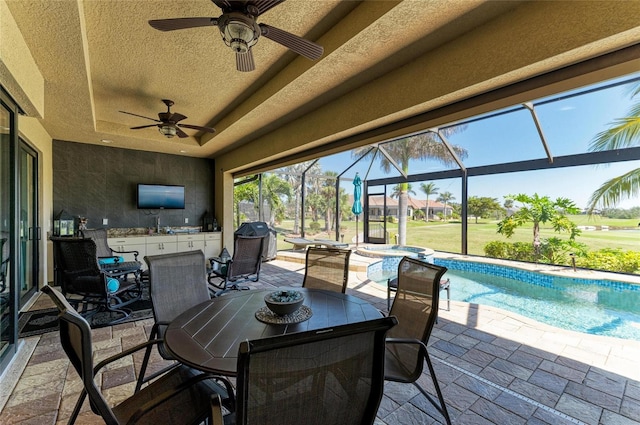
x: 156, y: 196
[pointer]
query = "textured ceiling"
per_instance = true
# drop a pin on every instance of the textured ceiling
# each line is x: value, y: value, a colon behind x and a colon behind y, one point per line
x: 98, y: 57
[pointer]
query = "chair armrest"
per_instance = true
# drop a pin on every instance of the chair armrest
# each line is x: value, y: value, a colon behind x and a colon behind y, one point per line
x: 415, y: 341
x: 163, y: 397
x: 218, y: 260
x: 135, y: 253
x: 216, y: 410
x: 124, y: 353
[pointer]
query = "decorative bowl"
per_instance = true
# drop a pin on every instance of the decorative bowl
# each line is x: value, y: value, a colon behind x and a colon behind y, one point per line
x: 282, y: 303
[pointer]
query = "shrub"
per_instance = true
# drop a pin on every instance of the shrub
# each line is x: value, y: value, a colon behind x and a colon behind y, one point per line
x: 314, y: 226
x: 615, y: 260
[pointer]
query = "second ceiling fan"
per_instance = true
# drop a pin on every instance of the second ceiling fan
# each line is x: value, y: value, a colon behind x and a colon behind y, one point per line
x: 240, y: 31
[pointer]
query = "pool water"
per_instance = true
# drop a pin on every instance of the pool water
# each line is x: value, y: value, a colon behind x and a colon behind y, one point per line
x: 596, y: 308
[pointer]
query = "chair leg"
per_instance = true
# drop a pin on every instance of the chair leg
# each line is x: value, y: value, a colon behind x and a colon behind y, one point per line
x: 443, y: 407
x: 76, y: 409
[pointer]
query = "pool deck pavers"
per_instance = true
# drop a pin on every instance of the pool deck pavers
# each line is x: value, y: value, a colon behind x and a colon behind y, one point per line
x: 494, y: 367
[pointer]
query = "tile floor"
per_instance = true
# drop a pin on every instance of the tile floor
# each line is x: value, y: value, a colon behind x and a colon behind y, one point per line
x: 494, y: 367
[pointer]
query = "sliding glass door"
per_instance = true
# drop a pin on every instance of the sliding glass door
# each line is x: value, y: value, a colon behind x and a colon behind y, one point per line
x: 28, y: 229
x: 7, y: 299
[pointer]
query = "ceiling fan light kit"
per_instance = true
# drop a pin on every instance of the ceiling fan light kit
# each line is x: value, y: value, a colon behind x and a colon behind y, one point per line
x: 240, y: 31
x: 169, y: 125
x: 167, y: 130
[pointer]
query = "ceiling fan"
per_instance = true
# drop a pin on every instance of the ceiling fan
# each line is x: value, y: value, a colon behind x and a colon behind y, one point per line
x: 169, y: 122
x: 240, y: 31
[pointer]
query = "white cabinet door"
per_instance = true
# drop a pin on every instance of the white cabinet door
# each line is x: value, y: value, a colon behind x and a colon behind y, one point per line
x: 192, y: 242
x: 212, y: 244
x: 157, y: 245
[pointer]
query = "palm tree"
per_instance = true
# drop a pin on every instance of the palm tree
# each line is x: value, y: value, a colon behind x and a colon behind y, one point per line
x: 274, y: 189
x: 429, y: 189
x: 328, y: 194
x: 624, y: 133
x: 445, y: 197
x: 420, y: 146
x: 294, y: 178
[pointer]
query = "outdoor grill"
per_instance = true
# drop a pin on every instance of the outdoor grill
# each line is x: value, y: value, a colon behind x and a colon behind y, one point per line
x: 260, y: 228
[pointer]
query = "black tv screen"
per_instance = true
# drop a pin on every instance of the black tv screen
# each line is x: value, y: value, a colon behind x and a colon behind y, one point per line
x: 156, y: 196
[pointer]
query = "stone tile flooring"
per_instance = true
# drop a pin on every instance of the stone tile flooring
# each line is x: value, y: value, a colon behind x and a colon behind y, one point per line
x: 494, y: 367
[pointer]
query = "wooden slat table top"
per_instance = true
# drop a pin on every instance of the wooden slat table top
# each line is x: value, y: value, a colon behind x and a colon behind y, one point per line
x: 207, y: 336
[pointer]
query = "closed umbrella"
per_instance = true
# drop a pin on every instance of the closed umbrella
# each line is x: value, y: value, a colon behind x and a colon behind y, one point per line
x: 357, y: 204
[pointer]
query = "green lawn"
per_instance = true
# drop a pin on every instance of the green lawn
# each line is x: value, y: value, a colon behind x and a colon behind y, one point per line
x: 446, y: 236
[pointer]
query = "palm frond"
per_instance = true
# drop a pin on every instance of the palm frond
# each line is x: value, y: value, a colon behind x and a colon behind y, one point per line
x: 624, y: 134
x: 611, y: 192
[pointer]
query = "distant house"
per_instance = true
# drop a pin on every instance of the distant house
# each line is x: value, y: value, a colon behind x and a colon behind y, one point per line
x: 376, y: 205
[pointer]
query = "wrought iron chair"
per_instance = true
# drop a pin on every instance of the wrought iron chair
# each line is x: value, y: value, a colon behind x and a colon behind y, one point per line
x: 88, y: 287
x: 416, y: 308
x: 327, y: 268
x: 243, y: 266
x: 110, y: 259
x: 177, y: 282
x: 182, y: 396
x: 333, y: 376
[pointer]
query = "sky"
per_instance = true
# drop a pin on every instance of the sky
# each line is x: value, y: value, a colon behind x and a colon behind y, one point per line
x: 569, y: 125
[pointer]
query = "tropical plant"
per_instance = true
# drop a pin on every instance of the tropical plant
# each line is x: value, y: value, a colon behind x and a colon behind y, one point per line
x: 274, y: 189
x: 328, y: 196
x: 245, y: 192
x: 399, y: 188
x: 445, y: 198
x: 540, y: 210
x: 624, y: 133
x: 293, y: 175
x: 429, y: 189
x: 403, y: 151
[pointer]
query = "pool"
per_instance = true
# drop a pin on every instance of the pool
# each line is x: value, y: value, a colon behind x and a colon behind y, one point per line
x: 593, y: 306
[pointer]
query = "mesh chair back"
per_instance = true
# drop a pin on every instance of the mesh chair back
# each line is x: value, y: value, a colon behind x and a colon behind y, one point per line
x: 327, y: 268
x: 416, y: 307
x: 75, y: 338
x: 177, y: 282
x: 333, y: 376
x: 247, y: 256
x: 80, y: 270
x: 99, y: 236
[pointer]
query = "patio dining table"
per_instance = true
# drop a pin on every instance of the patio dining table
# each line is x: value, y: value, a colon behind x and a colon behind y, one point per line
x: 207, y: 335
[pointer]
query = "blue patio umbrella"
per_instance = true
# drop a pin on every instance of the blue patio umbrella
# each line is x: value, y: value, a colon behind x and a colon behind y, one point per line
x: 357, y: 204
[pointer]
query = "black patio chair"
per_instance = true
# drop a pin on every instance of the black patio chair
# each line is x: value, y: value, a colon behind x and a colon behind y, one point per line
x: 243, y: 266
x: 177, y: 282
x: 416, y: 308
x: 109, y: 259
x: 182, y: 396
x: 392, y: 286
x: 332, y: 376
x: 88, y: 287
x: 326, y: 268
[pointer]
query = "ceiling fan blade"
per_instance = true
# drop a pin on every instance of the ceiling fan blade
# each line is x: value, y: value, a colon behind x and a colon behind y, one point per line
x: 197, y: 127
x: 244, y: 61
x: 182, y: 23
x: 141, y: 116
x: 297, y: 44
x: 144, y: 126
x: 181, y: 134
x: 265, y: 5
x: 176, y: 117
